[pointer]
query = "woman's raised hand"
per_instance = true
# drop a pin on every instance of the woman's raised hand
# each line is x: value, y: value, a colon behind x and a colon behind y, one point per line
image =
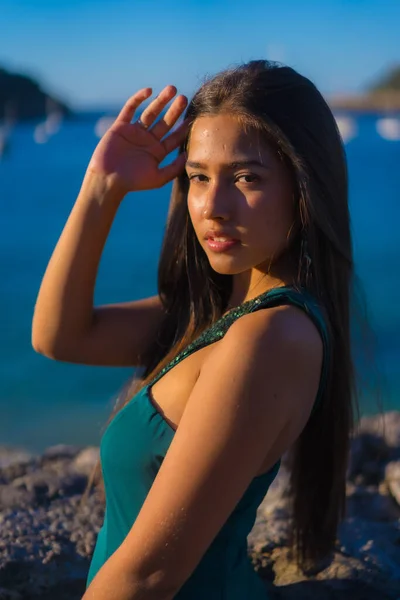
x: 129, y: 154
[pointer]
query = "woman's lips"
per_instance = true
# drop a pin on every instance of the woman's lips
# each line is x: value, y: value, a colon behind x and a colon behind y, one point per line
x: 221, y: 246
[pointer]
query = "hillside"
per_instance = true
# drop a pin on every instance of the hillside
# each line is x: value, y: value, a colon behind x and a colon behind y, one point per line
x: 22, y: 98
x: 383, y: 95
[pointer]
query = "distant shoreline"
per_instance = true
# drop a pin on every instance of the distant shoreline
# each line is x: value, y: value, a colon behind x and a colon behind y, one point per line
x: 24, y: 99
x: 382, y: 102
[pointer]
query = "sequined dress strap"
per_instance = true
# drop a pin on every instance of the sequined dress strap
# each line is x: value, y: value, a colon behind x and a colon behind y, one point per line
x: 269, y: 299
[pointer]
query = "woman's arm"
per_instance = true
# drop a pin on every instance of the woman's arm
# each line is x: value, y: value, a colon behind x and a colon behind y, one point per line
x: 65, y: 325
x: 64, y: 306
x: 260, y: 378
x: 116, y: 580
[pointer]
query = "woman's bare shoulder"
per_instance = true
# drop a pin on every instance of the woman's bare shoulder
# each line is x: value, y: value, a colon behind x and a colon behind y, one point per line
x: 281, y: 325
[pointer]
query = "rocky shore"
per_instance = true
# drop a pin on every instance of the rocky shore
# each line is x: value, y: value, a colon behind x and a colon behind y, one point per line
x: 46, y: 543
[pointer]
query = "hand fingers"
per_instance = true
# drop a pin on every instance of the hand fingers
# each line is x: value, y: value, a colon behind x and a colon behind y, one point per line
x: 152, y: 111
x: 174, y: 139
x: 170, y: 118
x: 172, y: 170
x: 129, y: 108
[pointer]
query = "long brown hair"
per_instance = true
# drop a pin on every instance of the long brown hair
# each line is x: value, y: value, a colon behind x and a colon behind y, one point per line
x: 290, y: 113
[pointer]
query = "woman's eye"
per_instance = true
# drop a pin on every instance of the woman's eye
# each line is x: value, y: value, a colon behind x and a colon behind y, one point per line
x: 200, y: 178
x: 246, y: 178
x: 249, y: 178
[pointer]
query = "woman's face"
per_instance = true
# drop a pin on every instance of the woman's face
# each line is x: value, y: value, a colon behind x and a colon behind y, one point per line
x: 239, y: 188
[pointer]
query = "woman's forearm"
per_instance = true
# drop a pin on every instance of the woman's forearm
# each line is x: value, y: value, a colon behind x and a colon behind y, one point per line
x: 64, y: 306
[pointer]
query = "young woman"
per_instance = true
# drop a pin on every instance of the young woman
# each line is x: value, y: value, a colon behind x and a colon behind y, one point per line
x: 246, y: 347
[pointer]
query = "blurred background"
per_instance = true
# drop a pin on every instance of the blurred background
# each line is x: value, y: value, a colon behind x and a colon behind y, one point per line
x: 67, y: 68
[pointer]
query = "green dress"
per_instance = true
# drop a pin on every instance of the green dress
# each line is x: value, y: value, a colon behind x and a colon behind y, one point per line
x: 133, y: 447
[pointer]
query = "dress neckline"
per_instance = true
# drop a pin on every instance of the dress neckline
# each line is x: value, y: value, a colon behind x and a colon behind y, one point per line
x: 256, y: 300
x: 216, y: 330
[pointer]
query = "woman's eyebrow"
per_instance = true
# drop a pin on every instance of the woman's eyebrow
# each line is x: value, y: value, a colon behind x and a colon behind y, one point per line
x: 231, y: 165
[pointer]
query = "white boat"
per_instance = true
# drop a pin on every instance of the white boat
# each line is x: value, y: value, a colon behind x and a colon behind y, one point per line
x: 53, y: 122
x: 51, y: 125
x: 40, y: 134
x: 4, y: 142
x: 6, y: 128
x: 103, y: 125
x: 348, y: 128
x: 389, y: 128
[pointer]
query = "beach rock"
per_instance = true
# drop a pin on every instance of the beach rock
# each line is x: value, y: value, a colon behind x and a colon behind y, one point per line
x: 45, y: 551
x: 9, y: 595
x: 392, y: 475
x: 385, y: 427
x: 46, y: 486
x: 11, y: 496
x: 46, y: 542
x: 85, y: 461
x: 369, y: 453
x: 11, y: 456
x: 60, y: 451
x: 372, y: 503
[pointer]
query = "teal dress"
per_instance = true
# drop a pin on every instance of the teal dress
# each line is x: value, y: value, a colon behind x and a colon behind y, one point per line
x: 133, y: 448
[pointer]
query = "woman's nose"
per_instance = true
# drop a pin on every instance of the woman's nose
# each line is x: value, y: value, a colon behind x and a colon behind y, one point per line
x: 216, y: 203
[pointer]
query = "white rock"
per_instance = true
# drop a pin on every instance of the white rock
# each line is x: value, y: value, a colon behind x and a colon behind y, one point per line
x: 387, y: 426
x: 85, y: 461
x: 10, y: 456
x: 61, y: 451
x: 392, y: 477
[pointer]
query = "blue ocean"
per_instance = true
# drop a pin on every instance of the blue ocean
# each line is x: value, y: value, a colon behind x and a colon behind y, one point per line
x: 44, y: 402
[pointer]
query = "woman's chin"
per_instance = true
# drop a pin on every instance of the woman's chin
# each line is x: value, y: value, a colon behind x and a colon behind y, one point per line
x: 226, y: 267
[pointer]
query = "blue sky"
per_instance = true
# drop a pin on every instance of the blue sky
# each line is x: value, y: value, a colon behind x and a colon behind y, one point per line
x: 96, y: 53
